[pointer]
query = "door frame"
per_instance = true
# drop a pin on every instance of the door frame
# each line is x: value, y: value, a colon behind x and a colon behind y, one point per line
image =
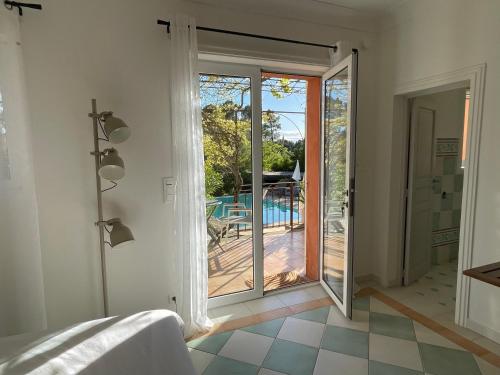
x: 228, y: 65
x: 474, y: 78
x: 351, y: 63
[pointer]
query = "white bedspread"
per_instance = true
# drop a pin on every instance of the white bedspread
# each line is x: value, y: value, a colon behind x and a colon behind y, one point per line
x: 149, y: 342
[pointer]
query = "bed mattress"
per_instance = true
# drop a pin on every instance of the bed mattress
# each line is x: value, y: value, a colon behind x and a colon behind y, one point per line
x: 150, y: 342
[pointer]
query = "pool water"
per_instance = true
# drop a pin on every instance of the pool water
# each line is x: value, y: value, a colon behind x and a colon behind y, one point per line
x: 273, y: 213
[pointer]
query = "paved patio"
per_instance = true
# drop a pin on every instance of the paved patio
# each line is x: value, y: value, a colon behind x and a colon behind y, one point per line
x: 230, y: 268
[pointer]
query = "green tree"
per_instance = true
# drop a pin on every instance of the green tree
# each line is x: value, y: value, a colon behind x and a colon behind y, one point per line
x: 271, y: 126
x: 226, y: 137
x: 298, y: 151
x: 214, y: 181
x: 226, y: 119
x: 335, y: 147
x: 275, y: 157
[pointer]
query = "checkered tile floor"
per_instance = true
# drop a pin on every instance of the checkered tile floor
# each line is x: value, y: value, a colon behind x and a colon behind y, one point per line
x: 378, y: 341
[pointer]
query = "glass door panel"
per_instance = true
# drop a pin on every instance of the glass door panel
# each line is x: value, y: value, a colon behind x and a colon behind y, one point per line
x: 338, y: 181
x: 227, y: 99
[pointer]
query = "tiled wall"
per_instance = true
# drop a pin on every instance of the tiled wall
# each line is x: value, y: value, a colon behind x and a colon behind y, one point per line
x: 447, y: 199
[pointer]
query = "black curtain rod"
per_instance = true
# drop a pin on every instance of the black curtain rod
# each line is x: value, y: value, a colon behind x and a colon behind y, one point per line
x: 14, y: 4
x: 222, y: 31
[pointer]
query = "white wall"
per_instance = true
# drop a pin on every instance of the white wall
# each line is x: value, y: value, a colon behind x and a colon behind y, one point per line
x: 22, y: 306
x: 449, y: 107
x: 115, y: 52
x: 427, y: 38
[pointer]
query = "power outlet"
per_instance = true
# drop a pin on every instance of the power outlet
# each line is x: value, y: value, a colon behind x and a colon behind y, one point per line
x: 172, y: 299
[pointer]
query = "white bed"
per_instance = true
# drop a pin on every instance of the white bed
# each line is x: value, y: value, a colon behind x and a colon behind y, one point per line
x: 149, y: 342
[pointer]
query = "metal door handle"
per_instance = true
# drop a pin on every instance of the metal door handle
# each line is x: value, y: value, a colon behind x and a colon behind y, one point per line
x: 344, y: 206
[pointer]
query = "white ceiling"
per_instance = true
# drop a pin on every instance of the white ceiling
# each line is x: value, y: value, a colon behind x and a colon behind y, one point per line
x: 368, y: 6
x: 361, y: 15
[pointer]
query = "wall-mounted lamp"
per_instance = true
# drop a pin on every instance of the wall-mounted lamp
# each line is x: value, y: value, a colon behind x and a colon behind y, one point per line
x: 110, y: 166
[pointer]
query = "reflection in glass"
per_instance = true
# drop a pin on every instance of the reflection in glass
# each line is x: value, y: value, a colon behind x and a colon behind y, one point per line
x: 335, y: 217
x: 227, y: 141
x: 4, y: 155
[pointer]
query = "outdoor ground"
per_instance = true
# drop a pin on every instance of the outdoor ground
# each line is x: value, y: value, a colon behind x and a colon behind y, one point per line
x: 230, y: 268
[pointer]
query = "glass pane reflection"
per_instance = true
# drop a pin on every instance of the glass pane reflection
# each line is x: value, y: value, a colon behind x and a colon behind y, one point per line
x: 337, y: 90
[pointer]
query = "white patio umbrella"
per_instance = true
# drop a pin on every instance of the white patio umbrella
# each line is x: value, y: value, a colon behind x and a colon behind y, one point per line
x: 296, y: 173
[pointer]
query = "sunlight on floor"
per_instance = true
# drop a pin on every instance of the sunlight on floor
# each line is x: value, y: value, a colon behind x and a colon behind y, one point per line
x: 230, y: 266
x: 267, y: 303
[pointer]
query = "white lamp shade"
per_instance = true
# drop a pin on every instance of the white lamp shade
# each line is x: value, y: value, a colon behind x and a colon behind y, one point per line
x: 112, y: 167
x: 120, y: 234
x: 116, y: 130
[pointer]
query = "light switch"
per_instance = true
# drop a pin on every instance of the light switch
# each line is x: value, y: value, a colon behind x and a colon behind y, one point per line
x: 169, y: 189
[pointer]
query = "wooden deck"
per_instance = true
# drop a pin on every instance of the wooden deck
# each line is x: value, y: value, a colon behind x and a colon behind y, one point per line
x: 230, y: 267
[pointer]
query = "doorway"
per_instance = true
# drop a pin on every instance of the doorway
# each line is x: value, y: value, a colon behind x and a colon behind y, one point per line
x: 245, y: 145
x: 290, y: 191
x: 260, y: 130
x: 437, y: 151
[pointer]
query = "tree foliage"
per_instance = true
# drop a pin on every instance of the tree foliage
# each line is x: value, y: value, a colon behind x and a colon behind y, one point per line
x: 279, y: 87
x: 226, y: 120
x: 271, y: 126
x: 335, y: 147
x: 226, y: 138
x: 276, y: 157
x: 214, y: 181
x: 298, y: 151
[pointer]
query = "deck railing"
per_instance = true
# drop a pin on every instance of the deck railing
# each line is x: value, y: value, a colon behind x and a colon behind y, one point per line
x: 282, y: 203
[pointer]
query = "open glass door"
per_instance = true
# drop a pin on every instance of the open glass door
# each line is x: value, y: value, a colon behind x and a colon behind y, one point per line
x: 338, y: 153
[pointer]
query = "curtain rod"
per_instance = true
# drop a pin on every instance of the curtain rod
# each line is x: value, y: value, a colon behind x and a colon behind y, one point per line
x: 14, y: 4
x: 237, y: 33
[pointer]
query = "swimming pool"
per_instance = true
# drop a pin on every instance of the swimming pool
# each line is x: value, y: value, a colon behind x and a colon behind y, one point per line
x: 274, y: 213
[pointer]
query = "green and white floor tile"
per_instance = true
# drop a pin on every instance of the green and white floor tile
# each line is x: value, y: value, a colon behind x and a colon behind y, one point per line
x: 379, y: 341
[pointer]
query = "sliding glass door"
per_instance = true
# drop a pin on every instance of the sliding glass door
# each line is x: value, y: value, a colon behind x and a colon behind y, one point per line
x: 338, y: 152
x: 230, y: 97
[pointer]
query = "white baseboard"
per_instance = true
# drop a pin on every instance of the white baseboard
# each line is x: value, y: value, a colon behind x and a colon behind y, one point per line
x: 483, y: 330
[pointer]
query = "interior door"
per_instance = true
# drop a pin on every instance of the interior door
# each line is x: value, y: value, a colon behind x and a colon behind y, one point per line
x: 338, y: 187
x: 419, y: 212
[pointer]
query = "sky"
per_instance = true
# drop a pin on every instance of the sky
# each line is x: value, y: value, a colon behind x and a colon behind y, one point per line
x: 292, y: 124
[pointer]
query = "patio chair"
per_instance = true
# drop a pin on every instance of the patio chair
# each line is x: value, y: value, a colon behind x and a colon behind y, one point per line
x: 215, y: 227
x: 236, y: 214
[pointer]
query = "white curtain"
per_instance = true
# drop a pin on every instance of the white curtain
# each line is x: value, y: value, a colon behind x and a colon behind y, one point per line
x: 22, y: 306
x: 189, y: 211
